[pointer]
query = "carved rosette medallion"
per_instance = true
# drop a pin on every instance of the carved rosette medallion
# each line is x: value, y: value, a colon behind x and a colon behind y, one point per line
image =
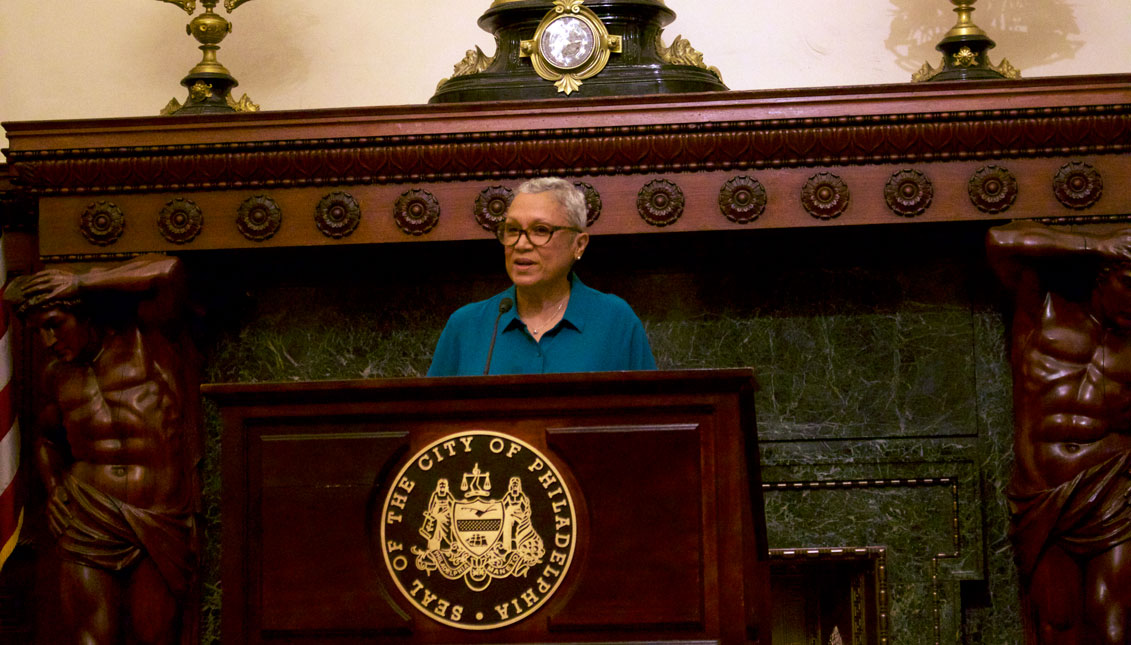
x: 337, y: 215
x: 478, y: 530
x: 825, y: 196
x: 660, y: 202
x: 180, y: 221
x: 102, y: 223
x: 592, y: 202
x: 491, y: 206
x: 259, y: 218
x: 416, y: 212
x: 908, y: 193
x: 993, y: 189
x: 742, y: 199
x: 1077, y: 185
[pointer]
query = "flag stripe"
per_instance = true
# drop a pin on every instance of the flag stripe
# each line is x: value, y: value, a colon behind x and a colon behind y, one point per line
x: 9, y: 505
x: 11, y: 495
x: 5, y: 349
x: 10, y: 545
x: 7, y: 414
x: 9, y: 455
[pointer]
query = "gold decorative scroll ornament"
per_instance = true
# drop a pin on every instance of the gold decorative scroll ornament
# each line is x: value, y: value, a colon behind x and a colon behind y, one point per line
x: 570, y: 45
x: 964, y: 58
x: 190, y: 5
x: 474, y: 62
x: 682, y: 53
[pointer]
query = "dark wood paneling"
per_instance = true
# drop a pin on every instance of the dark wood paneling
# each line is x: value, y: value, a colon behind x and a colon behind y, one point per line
x: 666, y: 545
x: 653, y: 475
x: 313, y: 528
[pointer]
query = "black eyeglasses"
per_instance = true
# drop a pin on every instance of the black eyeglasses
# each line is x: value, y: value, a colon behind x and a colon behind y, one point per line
x: 539, y: 234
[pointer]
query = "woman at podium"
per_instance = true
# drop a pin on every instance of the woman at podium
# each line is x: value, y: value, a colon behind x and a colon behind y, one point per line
x: 547, y: 320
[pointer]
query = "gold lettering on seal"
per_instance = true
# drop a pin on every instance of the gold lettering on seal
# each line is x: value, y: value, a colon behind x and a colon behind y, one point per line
x: 471, y: 508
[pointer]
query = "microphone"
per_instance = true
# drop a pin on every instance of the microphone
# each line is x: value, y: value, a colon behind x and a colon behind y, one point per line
x: 504, y: 306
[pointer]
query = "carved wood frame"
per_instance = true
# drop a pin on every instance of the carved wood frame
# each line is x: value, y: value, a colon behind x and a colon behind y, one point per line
x: 962, y: 140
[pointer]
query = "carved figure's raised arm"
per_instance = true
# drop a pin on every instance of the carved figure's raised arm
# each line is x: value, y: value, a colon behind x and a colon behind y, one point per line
x: 1023, y: 244
x: 160, y: 279
x: 157, y: 280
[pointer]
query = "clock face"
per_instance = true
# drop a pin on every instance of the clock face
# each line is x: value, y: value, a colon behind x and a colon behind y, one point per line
x: 567, y: 42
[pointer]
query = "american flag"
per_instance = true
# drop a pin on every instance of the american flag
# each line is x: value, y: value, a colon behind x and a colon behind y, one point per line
x: 11, y: 506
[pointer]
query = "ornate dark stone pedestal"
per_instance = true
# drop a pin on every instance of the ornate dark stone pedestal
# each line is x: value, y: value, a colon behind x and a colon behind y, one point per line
x: 208, y: 94
x: 965, y: 53
x: 209, y: 83
x: 966, y: 58
x: 644, y: 66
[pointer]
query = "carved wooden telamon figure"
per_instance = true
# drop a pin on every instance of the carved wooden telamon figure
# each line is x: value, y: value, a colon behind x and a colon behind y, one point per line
x: 118, y: 446
x: 1069, y: 495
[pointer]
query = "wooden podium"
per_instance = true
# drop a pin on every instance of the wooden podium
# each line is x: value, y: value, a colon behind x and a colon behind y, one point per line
x: 336, y: 530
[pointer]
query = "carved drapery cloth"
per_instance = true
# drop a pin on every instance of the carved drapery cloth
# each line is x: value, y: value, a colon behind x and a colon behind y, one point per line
x: 1085, y: 516
x: 107, y: 533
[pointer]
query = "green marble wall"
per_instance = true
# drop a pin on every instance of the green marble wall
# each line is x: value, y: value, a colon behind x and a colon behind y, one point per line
x: 879, y: 351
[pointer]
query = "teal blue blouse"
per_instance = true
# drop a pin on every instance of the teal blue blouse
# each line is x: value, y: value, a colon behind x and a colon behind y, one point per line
x: 599, y: 332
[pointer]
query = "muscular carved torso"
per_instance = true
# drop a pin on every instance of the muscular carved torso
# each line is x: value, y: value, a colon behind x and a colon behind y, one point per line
x: 1073, y: 393
x: 122, y: 415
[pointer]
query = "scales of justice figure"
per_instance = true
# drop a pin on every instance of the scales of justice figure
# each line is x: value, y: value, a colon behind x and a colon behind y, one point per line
x: 478, y: 538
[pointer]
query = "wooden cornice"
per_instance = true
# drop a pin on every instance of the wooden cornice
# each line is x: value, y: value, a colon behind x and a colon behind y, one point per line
x: 17, y: 208
x: 728, y: 131
x: 943, y: 135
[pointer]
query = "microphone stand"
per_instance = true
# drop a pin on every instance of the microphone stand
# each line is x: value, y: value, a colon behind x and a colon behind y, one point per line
x: 504, y: 306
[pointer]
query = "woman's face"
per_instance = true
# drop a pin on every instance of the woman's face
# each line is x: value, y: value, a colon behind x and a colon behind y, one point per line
x: 539, y: 266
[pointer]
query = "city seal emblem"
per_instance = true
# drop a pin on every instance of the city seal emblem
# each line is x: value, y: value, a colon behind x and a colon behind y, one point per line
x: 478, y: 530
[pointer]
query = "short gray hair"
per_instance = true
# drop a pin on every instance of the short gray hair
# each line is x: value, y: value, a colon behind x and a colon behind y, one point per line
x: 569, y: 197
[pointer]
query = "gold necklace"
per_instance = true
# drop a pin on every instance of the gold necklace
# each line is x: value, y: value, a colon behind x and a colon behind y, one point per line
x: 553, y: 317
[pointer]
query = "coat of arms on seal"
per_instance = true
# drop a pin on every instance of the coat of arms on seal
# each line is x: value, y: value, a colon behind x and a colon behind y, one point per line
x: 478, y: 530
